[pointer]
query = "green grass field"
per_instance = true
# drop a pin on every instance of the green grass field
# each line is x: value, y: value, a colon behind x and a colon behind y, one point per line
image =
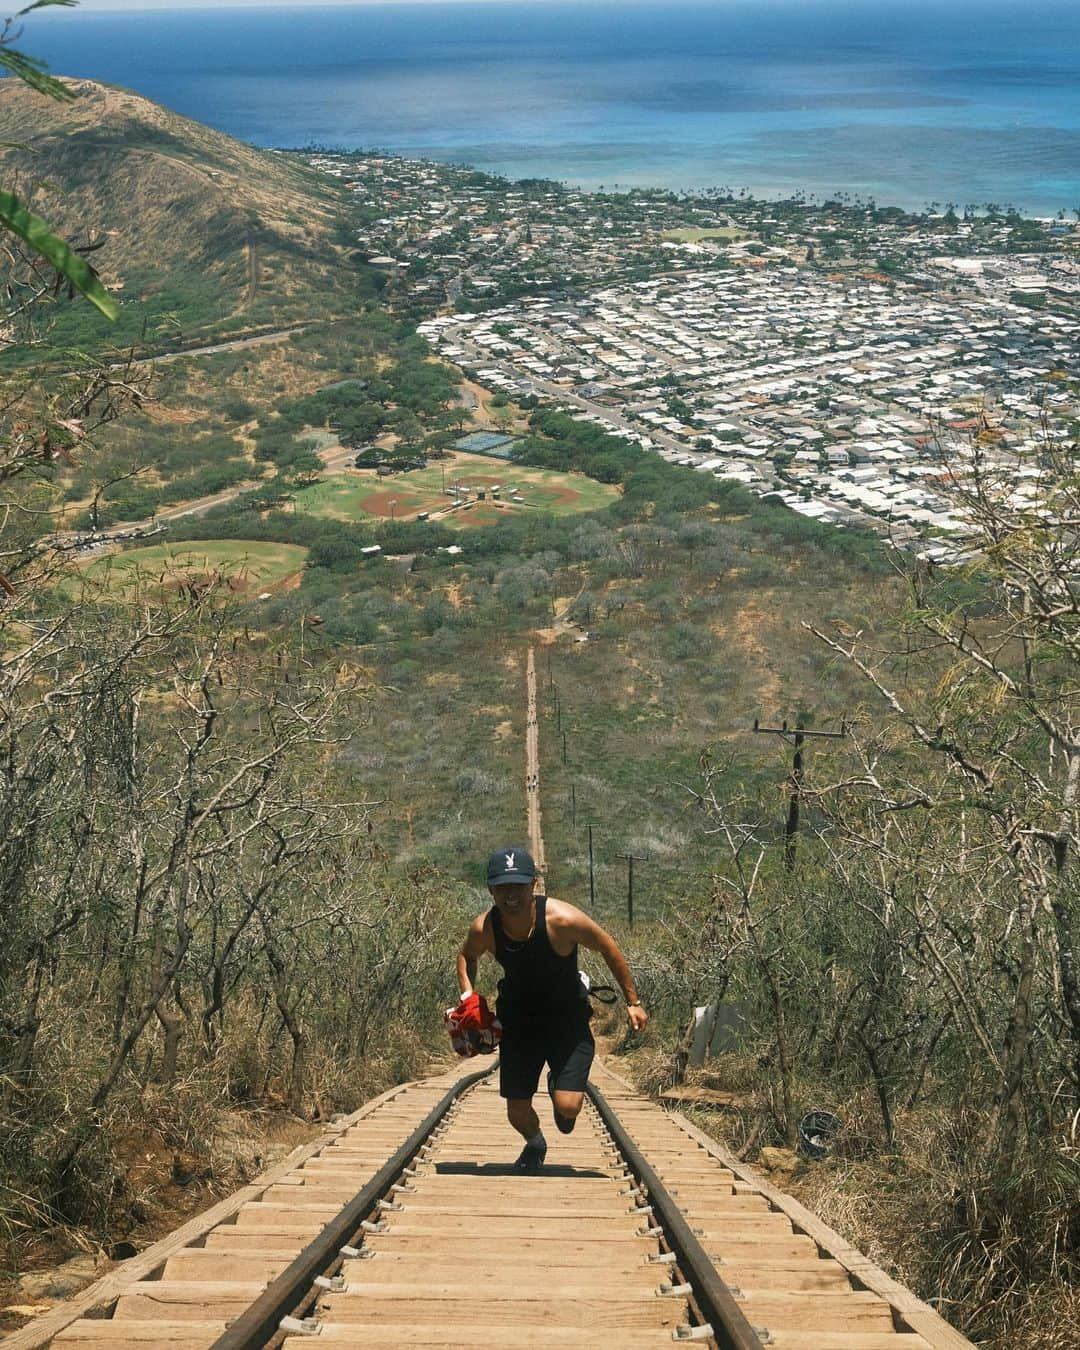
x: 727, y: 233
x: 249, y: 567
x: 361, y: 493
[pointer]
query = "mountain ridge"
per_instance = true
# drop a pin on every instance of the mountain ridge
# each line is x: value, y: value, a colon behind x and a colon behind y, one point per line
x: 204, y: 232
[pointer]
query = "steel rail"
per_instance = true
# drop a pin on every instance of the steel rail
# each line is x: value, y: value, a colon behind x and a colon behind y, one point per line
x: 260, y: 1323
x: 730, y: 1328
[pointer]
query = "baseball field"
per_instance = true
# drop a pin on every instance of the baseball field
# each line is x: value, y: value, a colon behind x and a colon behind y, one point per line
x: 403, y: 496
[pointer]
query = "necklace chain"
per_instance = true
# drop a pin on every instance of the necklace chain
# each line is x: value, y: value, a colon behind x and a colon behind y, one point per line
x: 516, y: 944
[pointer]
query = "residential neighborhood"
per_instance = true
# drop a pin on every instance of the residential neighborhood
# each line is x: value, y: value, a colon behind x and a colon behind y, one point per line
x: 835, y: 356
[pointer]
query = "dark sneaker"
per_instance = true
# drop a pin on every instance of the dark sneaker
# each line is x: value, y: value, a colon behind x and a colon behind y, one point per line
x: 531, y: 1158
x: 564, y: 1124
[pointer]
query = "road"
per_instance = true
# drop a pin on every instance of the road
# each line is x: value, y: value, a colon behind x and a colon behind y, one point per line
x: 233, y: 345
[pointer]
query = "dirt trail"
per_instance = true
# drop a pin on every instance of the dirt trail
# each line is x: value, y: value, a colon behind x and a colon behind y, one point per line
x: 532, y: 767
x: 251, y: 251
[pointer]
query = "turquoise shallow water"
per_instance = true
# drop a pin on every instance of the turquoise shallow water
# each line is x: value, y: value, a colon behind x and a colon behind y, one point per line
x: 907, y: 102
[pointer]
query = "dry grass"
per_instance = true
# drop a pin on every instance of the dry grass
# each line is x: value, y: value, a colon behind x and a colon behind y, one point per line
x: 995, y: 1252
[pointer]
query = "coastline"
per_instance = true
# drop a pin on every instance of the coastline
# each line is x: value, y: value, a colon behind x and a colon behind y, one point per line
x: 800, y: 196
x: 908, y: 104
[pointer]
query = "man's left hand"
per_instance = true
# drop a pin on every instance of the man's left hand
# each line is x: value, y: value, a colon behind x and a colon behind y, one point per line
x: 638, y: 1017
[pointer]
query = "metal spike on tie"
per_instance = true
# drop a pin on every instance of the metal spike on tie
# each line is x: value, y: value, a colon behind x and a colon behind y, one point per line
x: 669, y: 1290
x: 335, y: 1283
x: 368, y: 1227
x: 642, y: 1209
x: 650, y: 1232
x: 296, y: 1326
x: 352, y: 1253
x: 388, y: 1204
x: 689, y: 1333
x: 663, y: 1259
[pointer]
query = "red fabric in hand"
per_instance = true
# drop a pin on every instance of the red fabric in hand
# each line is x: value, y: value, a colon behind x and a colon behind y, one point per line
x: 473, y: 1027
x: 471, y: 1012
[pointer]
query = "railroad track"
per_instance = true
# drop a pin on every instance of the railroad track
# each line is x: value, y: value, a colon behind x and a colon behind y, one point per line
x: 407, y: 1226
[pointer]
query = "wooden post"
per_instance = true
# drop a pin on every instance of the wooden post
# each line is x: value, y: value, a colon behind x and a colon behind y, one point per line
x: 791, y: 826
x: 630, y: 860
x: 796, y: 736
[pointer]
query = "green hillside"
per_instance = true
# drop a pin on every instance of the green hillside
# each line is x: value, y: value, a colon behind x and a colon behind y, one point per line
x: 203, y: 234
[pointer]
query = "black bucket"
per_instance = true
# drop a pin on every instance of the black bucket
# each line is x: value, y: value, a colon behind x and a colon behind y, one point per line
x: 817, y: 1133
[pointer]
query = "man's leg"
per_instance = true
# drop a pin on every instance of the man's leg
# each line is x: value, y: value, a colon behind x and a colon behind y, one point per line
x: 520, y: 1114
x: 567, y: 1106
x: 570, y: 1061
x: 520, y: 1063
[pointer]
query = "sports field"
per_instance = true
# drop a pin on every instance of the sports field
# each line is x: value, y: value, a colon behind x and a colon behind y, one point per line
x: 361, y: 492
x: 245, y: 566
x: 696, y: 236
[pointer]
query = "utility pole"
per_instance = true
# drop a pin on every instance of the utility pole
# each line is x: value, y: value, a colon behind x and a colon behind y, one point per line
x: 573, y: 806
x: 796, y: 736
x: 630, y: 860
x: 592, y: 882
x: 564, y: 747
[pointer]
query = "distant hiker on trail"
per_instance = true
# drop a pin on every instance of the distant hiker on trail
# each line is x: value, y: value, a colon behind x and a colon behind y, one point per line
x: 543, y: 1001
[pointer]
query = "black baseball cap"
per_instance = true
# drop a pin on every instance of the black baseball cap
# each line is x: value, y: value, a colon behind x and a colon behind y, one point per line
x: 509, y: 865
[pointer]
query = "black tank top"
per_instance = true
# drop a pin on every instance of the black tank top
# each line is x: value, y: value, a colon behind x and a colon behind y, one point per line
x: 539, y: 984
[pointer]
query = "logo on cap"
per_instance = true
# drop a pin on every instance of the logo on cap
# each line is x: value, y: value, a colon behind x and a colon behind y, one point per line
x: 510, y: 865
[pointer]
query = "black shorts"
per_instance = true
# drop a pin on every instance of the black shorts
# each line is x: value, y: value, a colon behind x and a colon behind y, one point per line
x: 567, y: 1049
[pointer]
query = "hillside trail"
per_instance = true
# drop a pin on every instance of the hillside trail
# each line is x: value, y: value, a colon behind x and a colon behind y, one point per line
x: 532, y: 767
x: 405, y: 1224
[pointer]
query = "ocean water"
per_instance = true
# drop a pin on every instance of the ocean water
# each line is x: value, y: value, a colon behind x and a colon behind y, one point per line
x: 905, y: 101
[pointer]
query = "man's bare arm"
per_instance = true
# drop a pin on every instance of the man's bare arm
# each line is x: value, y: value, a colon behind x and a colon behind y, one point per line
x: 478, y: 940
x: 589, y: 934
